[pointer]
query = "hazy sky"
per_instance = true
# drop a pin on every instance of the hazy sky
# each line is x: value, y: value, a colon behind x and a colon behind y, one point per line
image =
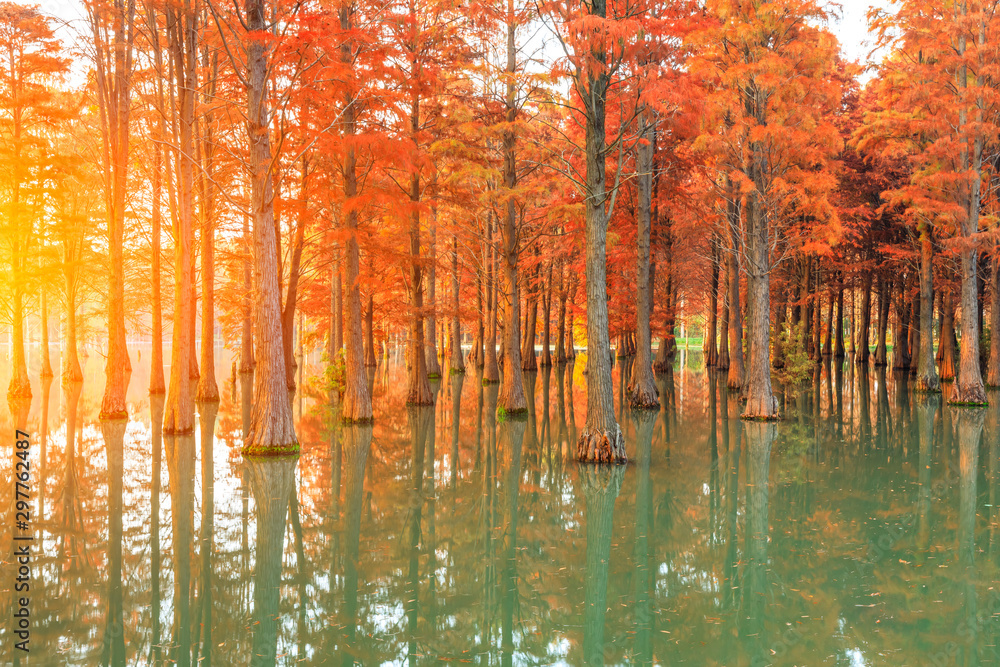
x: 851, y: 29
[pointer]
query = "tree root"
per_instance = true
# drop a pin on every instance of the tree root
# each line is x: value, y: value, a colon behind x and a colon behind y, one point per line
x: 761, y: 412
x: 601, y: 447
x: 643, y: 398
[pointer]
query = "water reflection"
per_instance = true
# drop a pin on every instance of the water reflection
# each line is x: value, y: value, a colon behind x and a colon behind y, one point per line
x: 862, y: 529
x: 272, y: 482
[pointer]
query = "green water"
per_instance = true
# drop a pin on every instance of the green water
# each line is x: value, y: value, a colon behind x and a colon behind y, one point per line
x: 863, y: 529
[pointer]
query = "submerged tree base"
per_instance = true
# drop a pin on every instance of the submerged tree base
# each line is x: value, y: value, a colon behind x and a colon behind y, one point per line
x: 762, y: 411
x: 348, y: 421
x: 19, y: 390
x: 601, y: 447
x: 270, y: 450
x: 643, y: 399
x: 968, y: 404
x: 456, y: 371
x: 117, y: 416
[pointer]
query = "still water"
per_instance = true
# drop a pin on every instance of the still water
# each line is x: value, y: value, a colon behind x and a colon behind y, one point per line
x: 864, y: 529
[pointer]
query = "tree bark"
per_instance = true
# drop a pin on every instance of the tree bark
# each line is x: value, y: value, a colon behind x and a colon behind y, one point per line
x: 711, y: 342
x: 272, y: 430
x: 528, y: 360
x: 179, y: 416
x: 546, y: 360
x: 761, y: 402
x: 723, y: 363
x: 457, y: 359
x: 642, y: 385
x: 208, y: 389
x: 157, y: 383
x: 431, y: 350
x: 969, y: 388
x: 512, y: 398
x: 863, y: 352
x: 247, y: 362
x: 838, y: 347
x: 357, y: 407
x: 560, y: 357
x: 884, y: 293
x: 993, y: 370
x: 947, y: 344
x: 115, y: 100
x: 491, y: 369
x: 601, y: 440
x: 371, y: 359
x: 735, y: 379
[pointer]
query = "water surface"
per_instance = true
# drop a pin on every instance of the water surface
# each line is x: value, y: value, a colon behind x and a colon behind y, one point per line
x: 861, y: 530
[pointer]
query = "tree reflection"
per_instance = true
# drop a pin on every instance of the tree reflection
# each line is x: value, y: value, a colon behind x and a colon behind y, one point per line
x: 113, y: 650
x: 180, y: 462
x: 156, y: 403
x: 970, y: 429
x: 760, y: 436
x: 421, y: 421
x: 644, y: 422
x: 208, y: 412
x: 601, y: 485
x: 357, y: 443
x: 272, y: 481
x: 511, y: 439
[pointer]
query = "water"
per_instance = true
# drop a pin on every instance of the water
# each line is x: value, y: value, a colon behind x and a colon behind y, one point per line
x: 861, y: 530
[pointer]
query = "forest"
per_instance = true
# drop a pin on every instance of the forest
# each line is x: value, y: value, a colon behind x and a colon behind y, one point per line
x: 497, y: 185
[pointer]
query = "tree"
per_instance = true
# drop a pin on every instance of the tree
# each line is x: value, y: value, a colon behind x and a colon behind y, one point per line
x: 597, y: 40
x: 770, y: 73
x: 31, y: 62
x: 112, y: 28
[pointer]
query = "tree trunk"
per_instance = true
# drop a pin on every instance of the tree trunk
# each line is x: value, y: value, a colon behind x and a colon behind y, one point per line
x: 601, y: 440
x: 271, y: 431
x: 20, y: 386
x: 116, y: 101
x: 246, y: 339
x: 969, y: 388
x: 884, y: 292
x: 761, y: 402
x: 546, y: 360
x: 357, y: 407
x: 711, y: 344
x: 179, y: 416
x: 947, y: 343
x: 723, y: 363
x: 431, y: 350
x: 371, y: 359
x: 491, y: 370
x: 157, y: 383
x: 560, y: 357
x: 828, y: 343
x: 735, y: 378
x: 642, y: 385
x: 294, y: 273
x: 528, y: 360
x: 457, y: 360
x: 838, y: 347
x: 993, y: 371
x: 512, y: 398
x: 863, y: 352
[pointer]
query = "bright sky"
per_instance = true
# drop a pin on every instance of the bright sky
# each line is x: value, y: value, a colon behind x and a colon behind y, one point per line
x: 852, y: 28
